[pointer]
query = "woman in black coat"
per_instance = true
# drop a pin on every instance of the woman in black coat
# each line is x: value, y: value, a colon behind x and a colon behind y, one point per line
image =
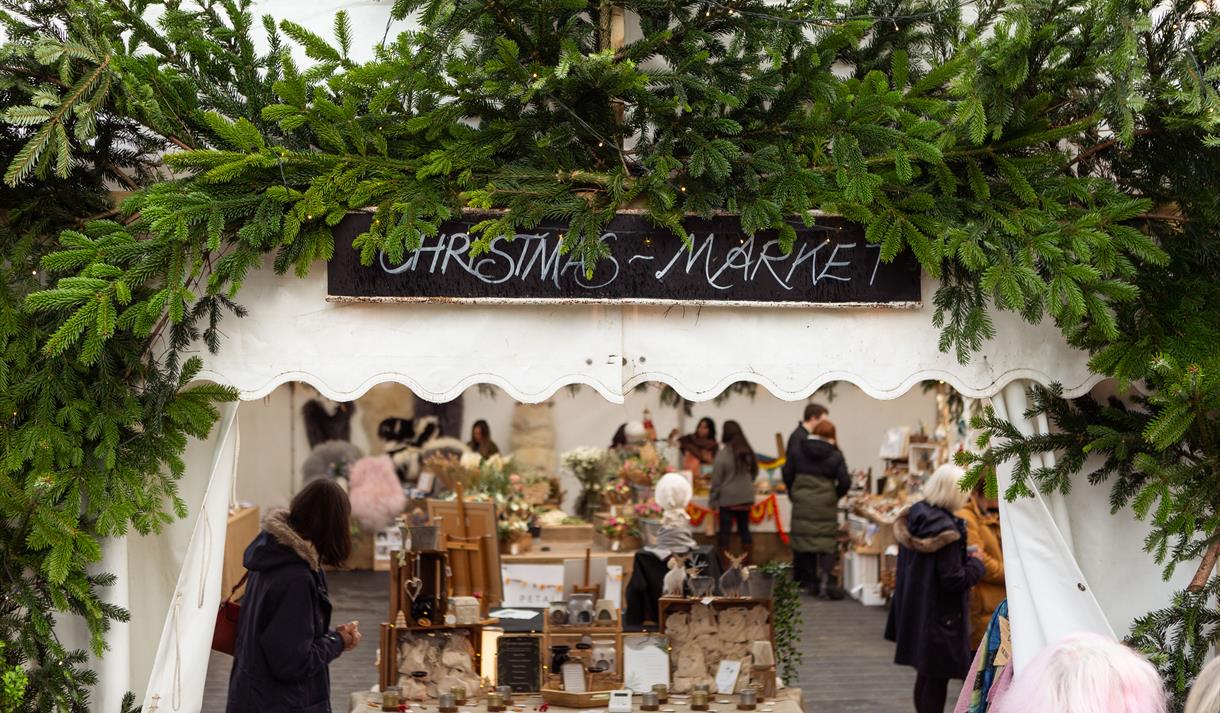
x: 929, y: 614
x: 284, y: 640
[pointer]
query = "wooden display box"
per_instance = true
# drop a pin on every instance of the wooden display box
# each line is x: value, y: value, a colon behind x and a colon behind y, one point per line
x: 668, y: 605
x: 429, y: 567
x: 242, y: 528
x: 581, y: 534
x: 564, y: 634
x: 388, y: 664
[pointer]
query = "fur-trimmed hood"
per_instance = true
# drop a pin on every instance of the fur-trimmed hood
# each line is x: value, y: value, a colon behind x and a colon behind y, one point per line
x: 923, y: 528
x: 278, y: 544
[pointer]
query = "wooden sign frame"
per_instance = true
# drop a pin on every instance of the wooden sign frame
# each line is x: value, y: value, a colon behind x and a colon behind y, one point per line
x: 474, y: 557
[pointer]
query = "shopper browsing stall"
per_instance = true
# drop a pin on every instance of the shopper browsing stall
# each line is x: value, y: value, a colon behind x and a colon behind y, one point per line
x: 732, y: 492
x: 929, y: 612
x: 982, y: 518
x: 284, y: 640
x: 699, y: 448
x: 821, y: 478
x: 480, y: 440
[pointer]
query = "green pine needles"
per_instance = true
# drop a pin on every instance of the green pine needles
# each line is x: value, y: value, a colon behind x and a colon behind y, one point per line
x: 1055, y: 158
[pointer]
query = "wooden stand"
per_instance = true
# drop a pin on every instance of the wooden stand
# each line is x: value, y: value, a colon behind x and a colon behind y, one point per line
x: 429, y: 567
x: 668, y: 605
x: 552, y: 632
x: 472, y: 543
x: 388, y: 665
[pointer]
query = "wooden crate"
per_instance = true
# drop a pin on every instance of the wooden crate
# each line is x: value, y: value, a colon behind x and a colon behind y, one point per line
x: 557, y: 634
x: 430, y: 566
x: 388, y: 665
x: 580, y: 534
x: 241, y: 530
x: 669, y: 605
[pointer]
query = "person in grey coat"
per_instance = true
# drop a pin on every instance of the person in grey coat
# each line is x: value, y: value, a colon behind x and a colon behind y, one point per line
x: 732, y: 493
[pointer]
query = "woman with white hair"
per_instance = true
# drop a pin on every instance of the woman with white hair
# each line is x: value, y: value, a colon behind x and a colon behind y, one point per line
x: 1088, y: 673
x: 929, y: 614
x: 1205, y: 694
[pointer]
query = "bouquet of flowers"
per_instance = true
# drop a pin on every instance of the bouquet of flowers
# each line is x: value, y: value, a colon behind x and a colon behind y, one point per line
x: 648, y: 510
x: 619, y: 492
x: 639, y: 470
x: 589, y: 466
x: 618, y: 527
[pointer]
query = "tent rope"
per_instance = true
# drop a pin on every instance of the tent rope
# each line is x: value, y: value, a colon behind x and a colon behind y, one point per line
x: 176, y: 693
x: 207, y: 555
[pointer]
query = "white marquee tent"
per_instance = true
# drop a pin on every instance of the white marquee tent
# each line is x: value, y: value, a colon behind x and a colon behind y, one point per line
x: 1070, y: 565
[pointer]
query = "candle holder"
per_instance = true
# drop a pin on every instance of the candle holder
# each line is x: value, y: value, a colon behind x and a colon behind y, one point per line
x: 699, y: 700
x: 447, y: 704
x: 506, y: 694
x: 389, y: 699
x: 747, y: 700
x: 650, y: 702
x: 495, y: 702
x: 759, y: 693
x: 459, y: 695
x: 662, y: 692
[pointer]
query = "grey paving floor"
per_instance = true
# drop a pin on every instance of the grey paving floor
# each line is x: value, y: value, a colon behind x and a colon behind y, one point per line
x: 847, y: 666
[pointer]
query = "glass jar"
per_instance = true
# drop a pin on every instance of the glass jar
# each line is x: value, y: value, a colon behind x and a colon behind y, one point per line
x: 580, y: 609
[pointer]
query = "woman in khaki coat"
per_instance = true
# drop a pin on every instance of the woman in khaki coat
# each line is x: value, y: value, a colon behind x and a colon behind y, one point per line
x: 982, y: 518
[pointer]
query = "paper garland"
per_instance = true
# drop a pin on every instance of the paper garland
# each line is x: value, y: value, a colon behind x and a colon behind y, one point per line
x: 764, y: 509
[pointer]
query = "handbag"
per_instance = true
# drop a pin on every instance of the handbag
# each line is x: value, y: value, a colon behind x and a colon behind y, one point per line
x: 224, y: 636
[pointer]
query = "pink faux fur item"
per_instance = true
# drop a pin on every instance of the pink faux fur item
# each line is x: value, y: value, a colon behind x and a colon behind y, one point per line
x: 376, y: 495
x: 1086, y: 673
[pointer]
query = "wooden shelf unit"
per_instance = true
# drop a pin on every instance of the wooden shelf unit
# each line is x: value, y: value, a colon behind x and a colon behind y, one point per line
x: 614, y: 631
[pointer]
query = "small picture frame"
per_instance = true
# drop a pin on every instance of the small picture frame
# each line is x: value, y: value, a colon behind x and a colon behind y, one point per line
x: 573, y: 674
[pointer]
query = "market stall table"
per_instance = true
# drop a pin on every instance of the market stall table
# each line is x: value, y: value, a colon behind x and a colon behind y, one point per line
x: 770, y: 522
x: 788, y: 700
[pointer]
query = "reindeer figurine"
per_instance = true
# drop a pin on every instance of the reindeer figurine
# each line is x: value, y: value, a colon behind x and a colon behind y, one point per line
x: 733, y: 581
x: 674, y: 584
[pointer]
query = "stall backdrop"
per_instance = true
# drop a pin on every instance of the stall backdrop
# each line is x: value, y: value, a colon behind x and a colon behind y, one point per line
x: 1070, y: 564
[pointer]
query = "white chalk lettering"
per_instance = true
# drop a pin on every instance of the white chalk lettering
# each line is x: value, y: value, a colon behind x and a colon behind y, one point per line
x: 831, y: 263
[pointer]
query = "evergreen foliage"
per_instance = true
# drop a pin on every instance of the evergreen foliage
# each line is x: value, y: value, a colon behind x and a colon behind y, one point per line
x: 1051, y: 157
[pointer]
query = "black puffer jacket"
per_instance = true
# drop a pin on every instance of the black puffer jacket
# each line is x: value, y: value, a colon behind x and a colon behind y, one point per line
x: 929, y: 612
x: 284, y: 640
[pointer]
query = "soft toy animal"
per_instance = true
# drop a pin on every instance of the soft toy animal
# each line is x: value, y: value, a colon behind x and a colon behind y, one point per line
x: 674, y: 584
x: 410, y: 442
x: 733, y: 581
x: 376, y: 495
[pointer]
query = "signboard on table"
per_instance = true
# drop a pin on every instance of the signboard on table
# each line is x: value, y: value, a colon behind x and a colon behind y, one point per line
x: 519, y: 663
x: 830, y: 265
x: 537, y: 585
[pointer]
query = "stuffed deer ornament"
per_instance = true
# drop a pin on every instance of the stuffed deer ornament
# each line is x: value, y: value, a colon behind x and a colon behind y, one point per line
x: 674, y: 584
x: 733, y: 582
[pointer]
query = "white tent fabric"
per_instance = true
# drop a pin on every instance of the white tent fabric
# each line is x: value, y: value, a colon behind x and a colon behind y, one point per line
x: 178, y: 671
x: 1069, y: 563
x: 439, y: 350
x: 1048, y: 594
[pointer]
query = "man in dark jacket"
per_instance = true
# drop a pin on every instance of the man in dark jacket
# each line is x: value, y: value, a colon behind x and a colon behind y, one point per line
x: 804, y: 567
x: 793, y: 457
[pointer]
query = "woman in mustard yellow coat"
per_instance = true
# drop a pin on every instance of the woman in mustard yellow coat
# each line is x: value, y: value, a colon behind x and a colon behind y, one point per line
x: 982, y: 518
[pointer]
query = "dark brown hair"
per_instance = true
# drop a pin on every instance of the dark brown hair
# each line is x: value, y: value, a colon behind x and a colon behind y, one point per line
x: 480, y: 425
x: 742, y: 452
x: 322, y: 514
x: 815, y: 411
x: 711, y: 427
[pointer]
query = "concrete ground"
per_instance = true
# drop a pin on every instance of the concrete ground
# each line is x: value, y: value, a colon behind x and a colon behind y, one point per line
x: 847, y: 666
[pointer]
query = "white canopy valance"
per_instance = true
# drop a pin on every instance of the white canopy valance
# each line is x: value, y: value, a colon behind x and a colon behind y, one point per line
x: 530, y: 351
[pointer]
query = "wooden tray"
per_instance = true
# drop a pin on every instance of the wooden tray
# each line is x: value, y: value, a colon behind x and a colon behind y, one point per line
x: 566, y: 699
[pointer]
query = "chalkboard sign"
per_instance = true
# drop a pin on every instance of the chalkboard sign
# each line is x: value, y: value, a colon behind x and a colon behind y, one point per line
x: 831, y: 264
x: 519, y: 663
